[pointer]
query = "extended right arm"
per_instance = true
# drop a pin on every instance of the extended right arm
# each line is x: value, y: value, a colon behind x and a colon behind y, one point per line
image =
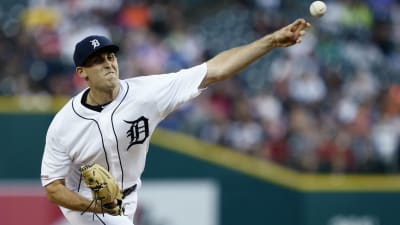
x: 229, y: 62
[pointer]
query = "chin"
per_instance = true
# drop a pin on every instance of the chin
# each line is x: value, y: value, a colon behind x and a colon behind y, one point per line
x: 112, y: 85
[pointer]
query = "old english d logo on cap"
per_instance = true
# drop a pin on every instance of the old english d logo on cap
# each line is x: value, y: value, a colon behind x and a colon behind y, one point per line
x: 89, y: 46
x: 95, y: 43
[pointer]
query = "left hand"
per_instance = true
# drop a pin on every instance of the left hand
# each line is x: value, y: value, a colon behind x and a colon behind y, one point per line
x: 290, y: 34
x: 114, y: 209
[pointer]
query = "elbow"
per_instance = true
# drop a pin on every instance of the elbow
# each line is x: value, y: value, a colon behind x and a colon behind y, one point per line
x: 214, y: 75
x: 51, y: 195
x: 52, y: 191
x: 208, y: 80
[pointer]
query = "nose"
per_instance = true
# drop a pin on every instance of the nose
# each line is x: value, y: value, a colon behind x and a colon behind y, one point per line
x: 107, y: 63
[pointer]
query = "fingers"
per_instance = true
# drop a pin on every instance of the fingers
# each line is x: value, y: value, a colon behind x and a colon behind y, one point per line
x: 299, y: 25
x: 299, y: 39
x: 298, y: 29
x: 296, y: 24
x: 292, y: 33
x: 299, y: 21
x: 116, y: 211
x: 113, y: 208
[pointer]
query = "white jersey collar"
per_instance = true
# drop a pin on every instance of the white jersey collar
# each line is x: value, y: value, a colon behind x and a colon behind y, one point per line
x: 85, y: 112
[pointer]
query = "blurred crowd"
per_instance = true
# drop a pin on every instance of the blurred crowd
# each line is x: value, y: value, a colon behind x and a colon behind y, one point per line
x: 328, y: 105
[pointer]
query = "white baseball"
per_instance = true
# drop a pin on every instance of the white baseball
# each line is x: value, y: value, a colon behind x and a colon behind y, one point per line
x: 318, y: 8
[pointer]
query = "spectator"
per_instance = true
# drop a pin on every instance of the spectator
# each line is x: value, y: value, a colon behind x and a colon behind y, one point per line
x: 328, y: 105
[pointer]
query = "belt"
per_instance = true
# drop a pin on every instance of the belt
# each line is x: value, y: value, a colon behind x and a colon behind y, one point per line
x: 128, y: 191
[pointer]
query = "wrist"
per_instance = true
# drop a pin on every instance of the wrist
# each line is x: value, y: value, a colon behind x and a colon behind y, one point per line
x: 269, y: 42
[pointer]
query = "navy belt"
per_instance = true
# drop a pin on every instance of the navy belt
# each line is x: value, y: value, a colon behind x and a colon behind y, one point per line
x: 128, y: 191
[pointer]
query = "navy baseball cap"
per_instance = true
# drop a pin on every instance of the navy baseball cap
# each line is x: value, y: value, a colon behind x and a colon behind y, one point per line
x: 91, y: 45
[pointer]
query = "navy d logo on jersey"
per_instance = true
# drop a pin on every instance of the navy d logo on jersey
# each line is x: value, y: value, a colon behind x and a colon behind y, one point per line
x: 139, y: 131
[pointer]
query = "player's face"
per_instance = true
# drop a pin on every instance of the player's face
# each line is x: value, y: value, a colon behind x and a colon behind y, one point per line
x: 101, y: 71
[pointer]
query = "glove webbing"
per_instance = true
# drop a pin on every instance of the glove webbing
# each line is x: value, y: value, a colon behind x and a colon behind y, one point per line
x: 95, y: 199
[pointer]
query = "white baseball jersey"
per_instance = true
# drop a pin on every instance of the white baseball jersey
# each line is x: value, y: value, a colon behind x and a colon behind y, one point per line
x: 117, y: 137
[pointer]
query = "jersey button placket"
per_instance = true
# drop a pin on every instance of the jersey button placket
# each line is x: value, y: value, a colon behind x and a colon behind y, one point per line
x: 111, y: 147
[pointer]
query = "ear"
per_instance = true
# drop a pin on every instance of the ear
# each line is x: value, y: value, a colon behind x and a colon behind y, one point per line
x: 81, y: 72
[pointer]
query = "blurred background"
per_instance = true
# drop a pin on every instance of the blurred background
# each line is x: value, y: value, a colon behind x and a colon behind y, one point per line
x: 326, y: 108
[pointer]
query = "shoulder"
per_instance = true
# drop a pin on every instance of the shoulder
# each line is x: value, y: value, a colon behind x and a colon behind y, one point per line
x: 66, y: 114
x: 166, y: 77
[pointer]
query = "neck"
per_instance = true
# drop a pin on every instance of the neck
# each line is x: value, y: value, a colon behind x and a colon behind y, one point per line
x: 96, y: 97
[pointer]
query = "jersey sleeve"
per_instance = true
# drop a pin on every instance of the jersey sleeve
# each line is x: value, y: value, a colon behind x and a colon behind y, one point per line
x: 55, y: 162
x: 180, y: 87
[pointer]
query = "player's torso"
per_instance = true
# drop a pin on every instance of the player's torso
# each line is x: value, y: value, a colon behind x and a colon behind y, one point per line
x: 117, y: 138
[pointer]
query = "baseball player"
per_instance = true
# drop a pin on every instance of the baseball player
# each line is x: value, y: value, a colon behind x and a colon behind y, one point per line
x: 111, y: 122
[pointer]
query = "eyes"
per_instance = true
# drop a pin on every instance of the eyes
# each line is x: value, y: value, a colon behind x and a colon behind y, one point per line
x: 100, y: 58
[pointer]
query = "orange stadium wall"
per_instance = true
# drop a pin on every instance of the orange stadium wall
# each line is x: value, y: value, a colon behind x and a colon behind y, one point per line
x: 243, y: 199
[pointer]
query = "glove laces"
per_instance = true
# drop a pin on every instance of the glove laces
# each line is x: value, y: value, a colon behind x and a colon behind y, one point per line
x: 95, y: 201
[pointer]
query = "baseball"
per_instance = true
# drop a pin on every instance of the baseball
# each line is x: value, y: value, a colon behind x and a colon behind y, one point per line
x: 318, y: 8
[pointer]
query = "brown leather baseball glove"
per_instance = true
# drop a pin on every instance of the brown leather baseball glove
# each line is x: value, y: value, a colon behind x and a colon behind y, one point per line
x: 105, y: 190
